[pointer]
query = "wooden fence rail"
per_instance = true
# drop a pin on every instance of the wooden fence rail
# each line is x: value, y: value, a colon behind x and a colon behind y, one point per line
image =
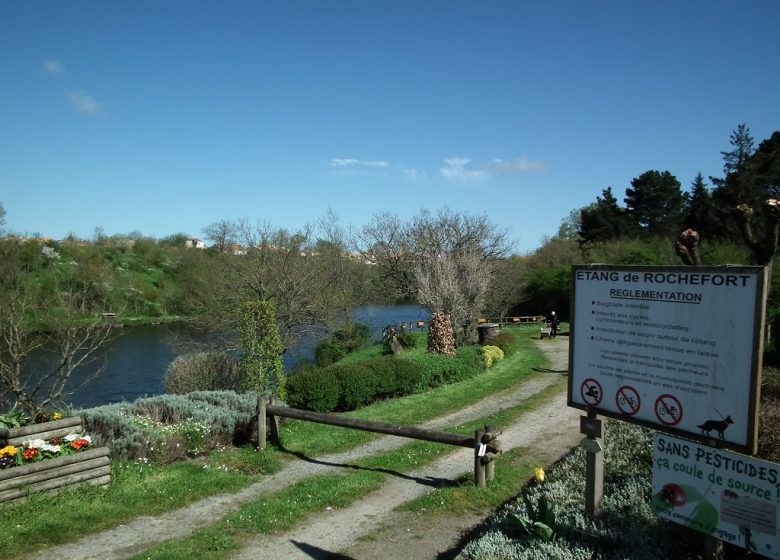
x: 484, y: 442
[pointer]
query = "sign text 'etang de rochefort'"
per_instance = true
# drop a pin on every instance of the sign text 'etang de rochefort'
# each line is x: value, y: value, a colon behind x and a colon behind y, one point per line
x: 672, y: 347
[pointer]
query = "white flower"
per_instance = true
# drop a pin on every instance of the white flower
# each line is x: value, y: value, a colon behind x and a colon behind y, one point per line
x: 71, y: 437
x: 49, y: 448
x: 34, y: 443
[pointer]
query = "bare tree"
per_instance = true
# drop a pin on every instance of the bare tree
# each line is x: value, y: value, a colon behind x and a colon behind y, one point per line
x: 445, y: 259
x: 457, y: 285
x: 386, y: 244
x: 507, y: 286
x: 309, y: 279
x: 222, y: 234
x: 63, y: 322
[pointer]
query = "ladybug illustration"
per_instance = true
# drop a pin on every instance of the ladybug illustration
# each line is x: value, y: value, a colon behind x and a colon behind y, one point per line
x: 673, y: 494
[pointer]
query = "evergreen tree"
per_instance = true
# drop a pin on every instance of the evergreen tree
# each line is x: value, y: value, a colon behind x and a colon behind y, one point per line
x: 748, y: 180
x: 604, y: 220
x: 742, y: 142
x: 762, y: 169
x: 655, y: 201
x: 700, y: 210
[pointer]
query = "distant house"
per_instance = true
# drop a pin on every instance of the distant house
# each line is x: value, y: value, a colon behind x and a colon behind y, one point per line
x: 195, y: 243
x: 235, y: 248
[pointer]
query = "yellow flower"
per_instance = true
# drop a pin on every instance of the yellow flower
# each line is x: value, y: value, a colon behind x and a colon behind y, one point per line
x: 8, y: 450
x: 539, y: 474
x: 57, y: 416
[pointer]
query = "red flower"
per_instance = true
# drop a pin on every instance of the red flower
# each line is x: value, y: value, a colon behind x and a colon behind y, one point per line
x: 79, y: 444
x: 30, y: 454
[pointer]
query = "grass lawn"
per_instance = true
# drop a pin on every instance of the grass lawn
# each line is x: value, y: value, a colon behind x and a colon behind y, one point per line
x: 141, y: 489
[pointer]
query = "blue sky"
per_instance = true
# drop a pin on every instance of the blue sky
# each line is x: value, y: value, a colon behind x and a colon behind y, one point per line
x: 163, y: 117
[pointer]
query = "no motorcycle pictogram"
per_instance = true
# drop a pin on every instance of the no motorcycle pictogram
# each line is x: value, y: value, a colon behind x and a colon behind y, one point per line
x: 627, y: 400
x: 591, y: 392
x: 668, y: 410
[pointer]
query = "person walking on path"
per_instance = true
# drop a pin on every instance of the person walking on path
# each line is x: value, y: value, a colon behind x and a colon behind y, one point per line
x: 553, y: 324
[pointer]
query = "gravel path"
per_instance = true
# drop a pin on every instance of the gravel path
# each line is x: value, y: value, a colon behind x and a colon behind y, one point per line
x: 370, y: 529
x: 549, y: 428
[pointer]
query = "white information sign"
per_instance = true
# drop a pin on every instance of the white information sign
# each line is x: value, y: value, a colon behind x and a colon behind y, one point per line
x: 676, y: 348
x: 732, y: 497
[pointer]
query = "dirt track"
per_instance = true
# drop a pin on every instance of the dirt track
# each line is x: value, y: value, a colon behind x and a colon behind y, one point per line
x: 369, y: 529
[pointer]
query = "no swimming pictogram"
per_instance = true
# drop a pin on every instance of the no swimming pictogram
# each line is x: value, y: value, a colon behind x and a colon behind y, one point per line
x: 668, y: 410
x: 591, y: 392
x: 627, y: 400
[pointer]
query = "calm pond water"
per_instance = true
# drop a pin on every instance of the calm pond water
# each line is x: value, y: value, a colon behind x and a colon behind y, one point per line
x: 136, y: 361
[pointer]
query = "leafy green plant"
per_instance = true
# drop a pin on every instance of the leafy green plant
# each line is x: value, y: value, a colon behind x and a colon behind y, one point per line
x: 261, y: 363
x: 313, y: 389
x: 14, y: 418
x: 540, y: 523
x: 328, y: 352
x: 506, y: 342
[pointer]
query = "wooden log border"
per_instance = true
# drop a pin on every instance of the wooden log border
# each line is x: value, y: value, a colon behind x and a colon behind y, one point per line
x: 91, y: 466
x: 484, y: 442
x: 44, y: 430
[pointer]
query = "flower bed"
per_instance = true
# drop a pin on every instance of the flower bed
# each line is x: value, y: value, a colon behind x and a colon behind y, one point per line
x: 48, y: 456
x: 43, y: 430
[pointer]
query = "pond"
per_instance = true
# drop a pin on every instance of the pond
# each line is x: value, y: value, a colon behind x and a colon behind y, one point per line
x: 136, y: 361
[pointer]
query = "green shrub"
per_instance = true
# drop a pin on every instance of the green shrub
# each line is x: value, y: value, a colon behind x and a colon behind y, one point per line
x: 151, y: 427
x: 328, y: 352
x: 202, y: 371
x: 353, y: 336
x: 507, y: 342
x: 261, y: 362
x: 411, y: 377
x: 441, y: 370
x: 346, y: 386
x: 341, y: 343
x: 408, y: 339
x: 358, y: 384
x: 385, y: 378
x: 313, y: 389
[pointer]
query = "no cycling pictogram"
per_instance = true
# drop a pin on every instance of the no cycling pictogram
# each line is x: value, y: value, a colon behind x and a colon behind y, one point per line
x: 668, y: 410
x: 627, y: 400
x: 591, y: 392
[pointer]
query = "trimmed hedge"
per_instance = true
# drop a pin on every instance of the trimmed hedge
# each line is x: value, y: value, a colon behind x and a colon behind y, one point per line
x: 313, y: 389
x: 361, y: 383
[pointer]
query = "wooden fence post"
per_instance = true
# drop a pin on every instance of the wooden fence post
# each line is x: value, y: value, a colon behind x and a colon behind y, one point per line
x: 490, y: 438
x: 275, y: 425
x: 479, y: 468
x: 261, y: 426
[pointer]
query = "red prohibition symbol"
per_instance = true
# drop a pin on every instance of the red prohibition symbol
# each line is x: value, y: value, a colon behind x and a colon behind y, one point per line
x: 627, y: 400
x: 668, y: 410
x: 591, y: 392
